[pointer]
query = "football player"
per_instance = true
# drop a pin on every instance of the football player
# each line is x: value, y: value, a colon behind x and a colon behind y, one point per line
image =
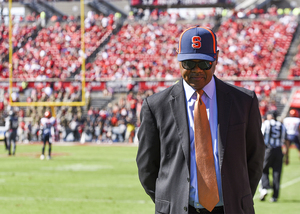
x: 47, y: 130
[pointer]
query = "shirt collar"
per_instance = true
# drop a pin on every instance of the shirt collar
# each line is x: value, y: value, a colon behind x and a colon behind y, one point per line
x: 209, y: 89
x: 188, y: 90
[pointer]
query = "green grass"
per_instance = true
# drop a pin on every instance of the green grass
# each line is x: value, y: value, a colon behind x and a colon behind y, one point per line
x: 98, y: 179
x: 79, y: 179
x: 289, y: 194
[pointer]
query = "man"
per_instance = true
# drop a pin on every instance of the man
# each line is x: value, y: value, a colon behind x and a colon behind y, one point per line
x: 275, y: 136
x: 47, y: 130
x: 292, y: 124
x: 168, y: 163
x: 11, y: 124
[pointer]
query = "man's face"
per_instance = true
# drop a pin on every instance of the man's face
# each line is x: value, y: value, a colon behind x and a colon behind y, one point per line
x: 196, y: 77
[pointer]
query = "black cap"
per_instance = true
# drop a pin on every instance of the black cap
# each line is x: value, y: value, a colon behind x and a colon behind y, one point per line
x: 274, y: 113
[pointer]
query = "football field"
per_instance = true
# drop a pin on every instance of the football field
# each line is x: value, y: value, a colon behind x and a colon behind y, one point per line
x: 97, y: 179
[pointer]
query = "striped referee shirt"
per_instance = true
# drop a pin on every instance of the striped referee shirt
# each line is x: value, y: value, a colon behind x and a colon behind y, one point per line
x: 274, y: 133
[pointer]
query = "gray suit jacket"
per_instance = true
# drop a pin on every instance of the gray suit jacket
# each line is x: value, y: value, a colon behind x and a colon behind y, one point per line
x: 163, y: 156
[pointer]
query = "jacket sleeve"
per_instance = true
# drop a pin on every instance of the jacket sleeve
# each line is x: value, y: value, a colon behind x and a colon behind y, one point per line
x: 255, y: 146
x: 148, y: 155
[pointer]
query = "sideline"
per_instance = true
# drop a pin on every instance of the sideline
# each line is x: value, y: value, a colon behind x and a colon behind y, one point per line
x: 77, y: 144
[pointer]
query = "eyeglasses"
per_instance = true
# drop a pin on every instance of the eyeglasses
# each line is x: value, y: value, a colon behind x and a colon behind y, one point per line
x: 203, y: 65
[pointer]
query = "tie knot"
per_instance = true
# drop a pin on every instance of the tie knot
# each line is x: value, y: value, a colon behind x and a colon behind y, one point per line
x: 200, y: 93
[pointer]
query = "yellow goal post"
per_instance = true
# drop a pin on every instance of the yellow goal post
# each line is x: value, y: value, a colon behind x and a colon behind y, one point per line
x: 48, y: 104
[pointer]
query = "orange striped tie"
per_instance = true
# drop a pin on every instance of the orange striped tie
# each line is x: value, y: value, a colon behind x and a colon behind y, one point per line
x: 206, y: 174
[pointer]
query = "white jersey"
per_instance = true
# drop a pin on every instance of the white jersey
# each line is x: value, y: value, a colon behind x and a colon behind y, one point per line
x: 47, y: 125
x: 292, y: 125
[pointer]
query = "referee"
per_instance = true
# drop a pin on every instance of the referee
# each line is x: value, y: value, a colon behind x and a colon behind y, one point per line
x: 274, y: 136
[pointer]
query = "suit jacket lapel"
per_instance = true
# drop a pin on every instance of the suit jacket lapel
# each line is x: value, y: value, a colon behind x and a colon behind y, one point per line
x: 178, y: 108
x: 224, y: 105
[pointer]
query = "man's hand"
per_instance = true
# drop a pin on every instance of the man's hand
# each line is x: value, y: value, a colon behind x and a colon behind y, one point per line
x: 286, y: 151
x: 286, y: 161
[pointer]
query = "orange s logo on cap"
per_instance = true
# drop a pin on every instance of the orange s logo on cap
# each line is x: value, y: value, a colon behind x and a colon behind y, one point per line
x: 196, y: 40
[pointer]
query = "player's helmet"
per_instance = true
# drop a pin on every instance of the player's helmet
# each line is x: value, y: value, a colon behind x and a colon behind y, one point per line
x: 47, y: 114
x: 294, y: 113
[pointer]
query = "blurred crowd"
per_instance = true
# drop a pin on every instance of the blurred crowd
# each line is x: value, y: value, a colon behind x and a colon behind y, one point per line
x: 252, y: 45
x: 56, y: 51
x: 254, y: 49
x: 117, y: 122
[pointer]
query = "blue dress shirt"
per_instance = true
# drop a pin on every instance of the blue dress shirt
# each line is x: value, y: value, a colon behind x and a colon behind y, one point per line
x: 210, y: 100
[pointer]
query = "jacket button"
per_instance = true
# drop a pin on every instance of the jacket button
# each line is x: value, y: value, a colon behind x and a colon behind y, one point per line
x: 188, y: 179
x: 185, y: 209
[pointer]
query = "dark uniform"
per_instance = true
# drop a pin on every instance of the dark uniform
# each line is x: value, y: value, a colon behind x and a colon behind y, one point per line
x: 12, y: 124
x: 274, y: 137
x: 47, y: 126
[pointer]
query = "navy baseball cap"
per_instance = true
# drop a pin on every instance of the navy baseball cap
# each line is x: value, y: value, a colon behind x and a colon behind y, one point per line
x: 197, y: 43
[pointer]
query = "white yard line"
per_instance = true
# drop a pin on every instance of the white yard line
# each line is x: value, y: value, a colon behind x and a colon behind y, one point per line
x: 290, y: 183
x: 282, y: 186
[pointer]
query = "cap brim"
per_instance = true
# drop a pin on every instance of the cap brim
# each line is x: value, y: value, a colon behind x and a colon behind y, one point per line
x: 209, y: 57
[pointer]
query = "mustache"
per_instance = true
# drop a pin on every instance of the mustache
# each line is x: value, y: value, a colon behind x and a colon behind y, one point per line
x: 193, y: 74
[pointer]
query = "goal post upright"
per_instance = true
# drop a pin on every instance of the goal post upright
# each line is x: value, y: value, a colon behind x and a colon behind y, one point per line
x: 83, y: 51
x: 10, y: 49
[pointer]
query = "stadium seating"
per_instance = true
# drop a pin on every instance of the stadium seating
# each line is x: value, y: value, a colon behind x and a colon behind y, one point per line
x: 146, y: 50
x: 254, y: 48
x: 20, y: 34
x: 56, y: 51
x: 294, y: 69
